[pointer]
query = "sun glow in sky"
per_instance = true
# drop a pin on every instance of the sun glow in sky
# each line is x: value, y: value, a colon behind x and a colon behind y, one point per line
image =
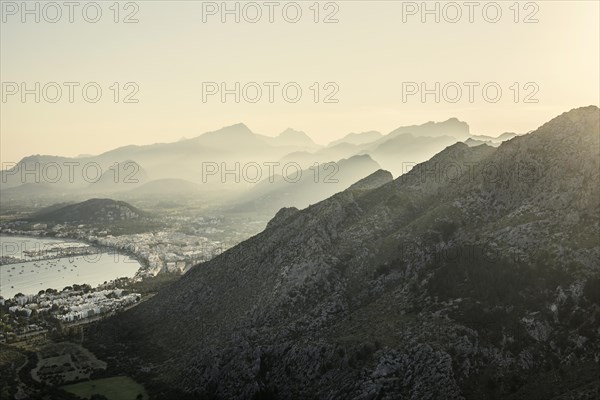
x: 368, y: 61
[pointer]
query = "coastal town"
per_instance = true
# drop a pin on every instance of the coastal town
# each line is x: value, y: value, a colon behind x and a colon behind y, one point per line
x: 163, y: 247
x: 23, y: 315
x: 178, y: 244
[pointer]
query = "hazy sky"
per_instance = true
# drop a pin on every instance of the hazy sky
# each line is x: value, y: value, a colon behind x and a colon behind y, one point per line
x: 369, y: 54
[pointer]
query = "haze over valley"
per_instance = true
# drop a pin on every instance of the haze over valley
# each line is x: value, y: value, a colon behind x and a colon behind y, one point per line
x: 350, y: 200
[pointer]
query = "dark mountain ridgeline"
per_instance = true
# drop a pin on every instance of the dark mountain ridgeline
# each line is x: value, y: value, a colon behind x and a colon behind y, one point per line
x: 471, y: 276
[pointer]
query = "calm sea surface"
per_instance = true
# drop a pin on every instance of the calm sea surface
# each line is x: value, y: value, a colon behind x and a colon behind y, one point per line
x: 42, y: 264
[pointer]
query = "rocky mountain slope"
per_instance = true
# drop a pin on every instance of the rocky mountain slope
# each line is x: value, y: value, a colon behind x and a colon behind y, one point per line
x: 475, y: 276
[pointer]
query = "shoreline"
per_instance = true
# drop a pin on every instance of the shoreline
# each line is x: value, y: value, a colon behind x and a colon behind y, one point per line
x: 101, y: 250
x: 143, y: 263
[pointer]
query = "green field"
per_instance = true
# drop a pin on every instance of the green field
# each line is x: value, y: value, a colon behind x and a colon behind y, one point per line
x: 115, y: 388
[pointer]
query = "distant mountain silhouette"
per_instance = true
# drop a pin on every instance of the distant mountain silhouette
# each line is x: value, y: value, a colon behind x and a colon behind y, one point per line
x: 358, y: 138
x: 230, y: 148
x: 291, y: 138
x: 177, y: 187
x: 396, y: 151
x: 312, y: 185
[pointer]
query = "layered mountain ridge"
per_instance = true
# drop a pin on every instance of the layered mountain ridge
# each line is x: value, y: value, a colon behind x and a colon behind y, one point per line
x: 236, y: 144
x: 474, y: 275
